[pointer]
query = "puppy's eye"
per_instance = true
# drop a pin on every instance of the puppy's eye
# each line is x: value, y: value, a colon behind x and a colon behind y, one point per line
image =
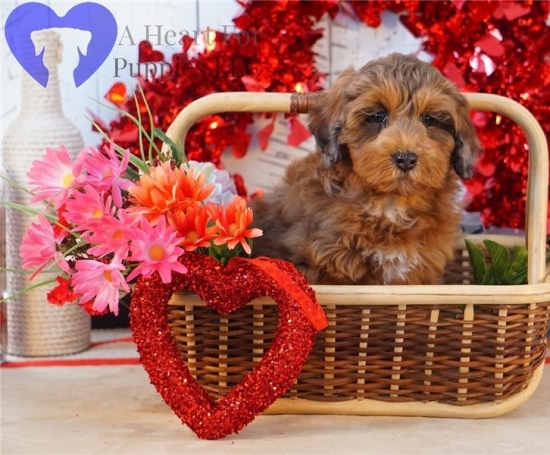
x: 428, y: 120
x: 379, y: 117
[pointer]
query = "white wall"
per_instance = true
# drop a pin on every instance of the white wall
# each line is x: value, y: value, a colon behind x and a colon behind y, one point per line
x: 345, y: 42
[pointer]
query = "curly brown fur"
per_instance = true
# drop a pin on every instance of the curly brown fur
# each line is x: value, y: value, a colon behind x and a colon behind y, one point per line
x: 362, y: 210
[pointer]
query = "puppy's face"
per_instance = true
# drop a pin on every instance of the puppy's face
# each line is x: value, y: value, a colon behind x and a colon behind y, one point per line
x: 399, y: 122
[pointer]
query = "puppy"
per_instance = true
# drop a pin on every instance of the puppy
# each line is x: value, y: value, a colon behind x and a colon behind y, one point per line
x: 379, y: 202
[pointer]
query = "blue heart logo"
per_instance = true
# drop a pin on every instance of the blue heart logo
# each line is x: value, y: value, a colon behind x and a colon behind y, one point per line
x: 30, y: 17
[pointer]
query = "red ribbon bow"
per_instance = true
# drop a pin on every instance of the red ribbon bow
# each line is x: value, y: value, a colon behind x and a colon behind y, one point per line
x: 309, y: 306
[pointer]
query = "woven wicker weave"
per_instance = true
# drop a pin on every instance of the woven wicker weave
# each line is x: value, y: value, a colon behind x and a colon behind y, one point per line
x: 457, y: 349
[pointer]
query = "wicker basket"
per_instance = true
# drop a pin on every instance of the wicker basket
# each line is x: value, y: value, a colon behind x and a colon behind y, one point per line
x: 454, y: 350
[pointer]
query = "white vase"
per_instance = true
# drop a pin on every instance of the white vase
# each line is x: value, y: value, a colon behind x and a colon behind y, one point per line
x: 3, y: 308
x: 34, y: 326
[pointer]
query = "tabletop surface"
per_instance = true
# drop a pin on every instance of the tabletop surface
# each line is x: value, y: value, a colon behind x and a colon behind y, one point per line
x: 101, y: 402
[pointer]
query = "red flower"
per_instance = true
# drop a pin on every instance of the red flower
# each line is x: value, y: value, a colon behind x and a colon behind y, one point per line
x: 62, y: 224
x: 62, y: 293
x: 89, y: 308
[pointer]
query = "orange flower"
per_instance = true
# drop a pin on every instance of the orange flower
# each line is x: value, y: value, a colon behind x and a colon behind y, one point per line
x: 166, y: 190
x: 192, y: 226
x: 232, y: 222
x: 153, y: 194
x: 191, y: 189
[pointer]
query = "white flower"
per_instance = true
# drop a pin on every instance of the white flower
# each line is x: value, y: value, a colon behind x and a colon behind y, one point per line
x: 225, y: 187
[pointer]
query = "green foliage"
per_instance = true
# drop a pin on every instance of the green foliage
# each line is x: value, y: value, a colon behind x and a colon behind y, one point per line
x: 146, y: 155
x: 505, y: 268
x: 178, y: 156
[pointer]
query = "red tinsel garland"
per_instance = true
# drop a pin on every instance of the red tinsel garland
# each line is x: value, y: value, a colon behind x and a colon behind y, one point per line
x: 500, y: 47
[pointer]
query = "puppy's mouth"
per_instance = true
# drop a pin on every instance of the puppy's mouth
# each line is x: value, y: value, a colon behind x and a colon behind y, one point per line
x: 404, y: 171
x: 404, y: 182
x: 394, y: 181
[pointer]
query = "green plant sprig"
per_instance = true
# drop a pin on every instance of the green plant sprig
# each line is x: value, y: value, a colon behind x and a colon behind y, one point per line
x: 177, y: 153
x: 505, y: 268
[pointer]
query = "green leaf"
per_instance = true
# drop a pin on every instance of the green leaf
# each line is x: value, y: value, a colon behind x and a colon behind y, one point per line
x: 177, y: 153
x: 478, y: 262
x: 489, y: 278
x: 500, y: 260
x: 519, y: 258
x: 131, y: 174
x: 518, y: 278
x: 517, y: 272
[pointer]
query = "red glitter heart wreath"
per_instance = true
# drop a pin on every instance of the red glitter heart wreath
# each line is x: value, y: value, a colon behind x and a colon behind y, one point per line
x: 226, y: 289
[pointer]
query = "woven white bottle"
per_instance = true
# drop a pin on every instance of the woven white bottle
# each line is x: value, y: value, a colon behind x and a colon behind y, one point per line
x: 36, y: 327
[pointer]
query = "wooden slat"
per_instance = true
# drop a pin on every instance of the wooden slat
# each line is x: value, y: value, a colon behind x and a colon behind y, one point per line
x: 363, y: 345
x: 466, y: 350
x: 434, y: 317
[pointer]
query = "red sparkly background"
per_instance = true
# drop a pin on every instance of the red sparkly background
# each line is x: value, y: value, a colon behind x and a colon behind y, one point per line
x: 499, y: 47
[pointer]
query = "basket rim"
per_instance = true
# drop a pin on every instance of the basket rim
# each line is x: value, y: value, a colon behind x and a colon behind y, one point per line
x: 448, y: 294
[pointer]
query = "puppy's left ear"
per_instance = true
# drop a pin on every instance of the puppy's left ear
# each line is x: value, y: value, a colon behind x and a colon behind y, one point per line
x: 466, y: 144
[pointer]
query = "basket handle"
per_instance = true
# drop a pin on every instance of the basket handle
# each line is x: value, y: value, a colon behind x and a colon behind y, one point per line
x: 537, y: 180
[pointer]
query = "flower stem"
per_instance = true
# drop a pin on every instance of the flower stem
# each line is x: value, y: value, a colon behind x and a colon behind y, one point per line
x: 15, y: 185
x: 25, y: 272
x: 141, y: 130
x: 28, y: 288
x: 28, y: 210
x: 151, y: 125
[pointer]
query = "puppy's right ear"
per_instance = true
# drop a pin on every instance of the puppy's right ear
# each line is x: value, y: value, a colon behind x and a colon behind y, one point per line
x: 326, y: 117
x: 466, y: 144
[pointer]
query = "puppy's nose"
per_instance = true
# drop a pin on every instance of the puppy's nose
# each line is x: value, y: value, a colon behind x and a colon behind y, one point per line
x: 405, y: 160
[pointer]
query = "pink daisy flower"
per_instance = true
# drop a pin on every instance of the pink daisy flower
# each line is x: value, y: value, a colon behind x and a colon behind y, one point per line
x: 99, y: 282
x: 86, y: 209
x: 114, y: 235
x: 105, y: 170
x: 54, y: 178
x: 39, y: 246
x: 155, y: 248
